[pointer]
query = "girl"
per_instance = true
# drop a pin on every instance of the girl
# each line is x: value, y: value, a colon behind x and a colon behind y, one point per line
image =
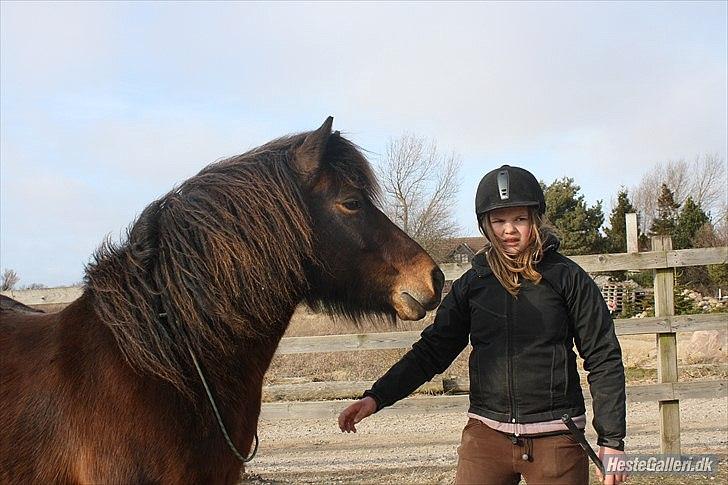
x: 522, y: 306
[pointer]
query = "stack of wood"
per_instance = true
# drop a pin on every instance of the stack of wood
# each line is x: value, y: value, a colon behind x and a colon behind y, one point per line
x: 623, y: 297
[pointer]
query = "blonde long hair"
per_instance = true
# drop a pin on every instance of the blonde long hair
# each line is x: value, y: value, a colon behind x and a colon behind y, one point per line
x: 508, y: 268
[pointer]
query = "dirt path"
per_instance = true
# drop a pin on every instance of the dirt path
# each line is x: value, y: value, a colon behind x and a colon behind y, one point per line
x: 421, y: 448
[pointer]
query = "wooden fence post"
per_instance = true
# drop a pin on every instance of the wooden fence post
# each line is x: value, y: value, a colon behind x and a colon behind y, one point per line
x: 666, y: 351
x: 631, y: 232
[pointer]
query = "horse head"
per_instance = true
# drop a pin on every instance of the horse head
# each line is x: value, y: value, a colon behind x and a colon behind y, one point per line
x: 365, y: 263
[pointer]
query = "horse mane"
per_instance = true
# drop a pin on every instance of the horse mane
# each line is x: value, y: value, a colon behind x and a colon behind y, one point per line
x: 226, y: 249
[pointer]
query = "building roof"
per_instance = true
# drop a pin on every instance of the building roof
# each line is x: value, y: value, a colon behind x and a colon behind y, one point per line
x: 474, y: 244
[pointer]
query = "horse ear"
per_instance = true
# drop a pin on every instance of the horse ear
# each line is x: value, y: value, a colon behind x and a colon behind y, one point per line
x: 309, y: 155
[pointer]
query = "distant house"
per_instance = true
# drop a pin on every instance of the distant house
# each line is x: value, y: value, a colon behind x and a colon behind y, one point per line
x: 462, y: 249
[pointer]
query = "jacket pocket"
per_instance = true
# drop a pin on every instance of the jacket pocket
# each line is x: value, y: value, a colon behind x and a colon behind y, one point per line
x: 488, y: 311
x: 474, y: 371
x: 489, y: 378
x: 566, y: 369
x: 551, y: 384
x: 559, y: 376
x: 487, y: 324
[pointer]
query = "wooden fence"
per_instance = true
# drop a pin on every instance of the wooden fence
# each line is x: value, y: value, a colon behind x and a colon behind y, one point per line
x: 668, y: 391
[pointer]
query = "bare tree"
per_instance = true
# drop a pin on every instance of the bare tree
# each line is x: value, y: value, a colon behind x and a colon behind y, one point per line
x: 709, y: 184
x: 703, y: 179
x: 420, y: 187
x: 34, y: 286
x: 9, y: 279
x: 721, y: 226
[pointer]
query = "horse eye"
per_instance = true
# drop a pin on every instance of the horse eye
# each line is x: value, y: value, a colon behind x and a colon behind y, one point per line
x: 352, y: 205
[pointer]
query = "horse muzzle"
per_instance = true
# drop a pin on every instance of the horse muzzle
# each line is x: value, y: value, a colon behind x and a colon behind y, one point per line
x: 411, y: 302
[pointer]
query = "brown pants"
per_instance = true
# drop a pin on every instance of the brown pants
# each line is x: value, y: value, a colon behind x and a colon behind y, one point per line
x: 489, y: 457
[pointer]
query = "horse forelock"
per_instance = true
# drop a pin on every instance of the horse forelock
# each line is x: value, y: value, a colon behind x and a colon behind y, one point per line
x: 349, y: 167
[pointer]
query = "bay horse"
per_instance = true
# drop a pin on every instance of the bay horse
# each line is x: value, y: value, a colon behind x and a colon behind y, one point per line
x: 106, y: 390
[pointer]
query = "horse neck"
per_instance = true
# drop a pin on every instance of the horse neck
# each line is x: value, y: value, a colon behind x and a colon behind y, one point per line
x: 237, y: 391
x: 251, y: 357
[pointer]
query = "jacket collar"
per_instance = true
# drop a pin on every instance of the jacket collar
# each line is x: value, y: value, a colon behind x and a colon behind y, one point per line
x: 480, y: 262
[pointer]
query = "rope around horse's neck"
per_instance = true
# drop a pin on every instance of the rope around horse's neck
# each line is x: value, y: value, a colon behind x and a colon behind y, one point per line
x: 219, y: 418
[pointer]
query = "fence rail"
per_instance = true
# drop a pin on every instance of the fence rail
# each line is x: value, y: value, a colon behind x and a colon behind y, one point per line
x: 403, y: 340
x: 597, y: 263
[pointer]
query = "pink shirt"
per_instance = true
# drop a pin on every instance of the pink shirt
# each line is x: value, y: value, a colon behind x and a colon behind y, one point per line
x: 519, y: 429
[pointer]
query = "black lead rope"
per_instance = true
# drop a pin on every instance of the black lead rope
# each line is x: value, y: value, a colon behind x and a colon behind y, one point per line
x: 219, y: 418
x: 579, y: 437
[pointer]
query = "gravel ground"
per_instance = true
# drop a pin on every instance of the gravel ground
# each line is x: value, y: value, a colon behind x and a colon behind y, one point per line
x: 393, y: 448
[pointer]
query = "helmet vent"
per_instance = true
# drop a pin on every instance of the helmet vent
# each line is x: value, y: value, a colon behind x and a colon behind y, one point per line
x: 503, y: 186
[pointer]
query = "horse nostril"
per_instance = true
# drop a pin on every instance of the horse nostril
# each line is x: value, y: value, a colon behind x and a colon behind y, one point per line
x: 438, y: 280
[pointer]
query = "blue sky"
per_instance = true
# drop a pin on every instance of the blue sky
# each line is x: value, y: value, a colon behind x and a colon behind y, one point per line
x: 105, y: 106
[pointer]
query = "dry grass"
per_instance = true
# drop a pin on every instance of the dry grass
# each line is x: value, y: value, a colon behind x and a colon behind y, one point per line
x: 344, y: 366
x: 646, y: 375
x: 307, y: 323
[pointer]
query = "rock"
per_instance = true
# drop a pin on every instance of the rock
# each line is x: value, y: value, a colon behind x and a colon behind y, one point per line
x: 708, y: 346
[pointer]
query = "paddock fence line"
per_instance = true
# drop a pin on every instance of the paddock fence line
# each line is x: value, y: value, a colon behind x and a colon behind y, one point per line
x: 663, y: 261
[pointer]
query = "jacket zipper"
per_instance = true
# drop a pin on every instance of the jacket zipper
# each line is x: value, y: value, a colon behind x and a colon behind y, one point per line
x: 509, y: 360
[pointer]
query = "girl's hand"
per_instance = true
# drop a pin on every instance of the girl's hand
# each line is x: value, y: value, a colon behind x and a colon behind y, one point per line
x: 350, y: 416
x: 610, y: 479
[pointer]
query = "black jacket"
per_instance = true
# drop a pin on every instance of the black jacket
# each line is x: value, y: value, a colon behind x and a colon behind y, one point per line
x: 522, y: 366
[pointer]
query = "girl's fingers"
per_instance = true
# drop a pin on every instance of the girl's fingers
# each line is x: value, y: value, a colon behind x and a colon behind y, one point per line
x: 352, y: 415
x: 346, y: 419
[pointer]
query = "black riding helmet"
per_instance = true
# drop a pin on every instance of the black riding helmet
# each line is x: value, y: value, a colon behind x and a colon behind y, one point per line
x: 508, y: 187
